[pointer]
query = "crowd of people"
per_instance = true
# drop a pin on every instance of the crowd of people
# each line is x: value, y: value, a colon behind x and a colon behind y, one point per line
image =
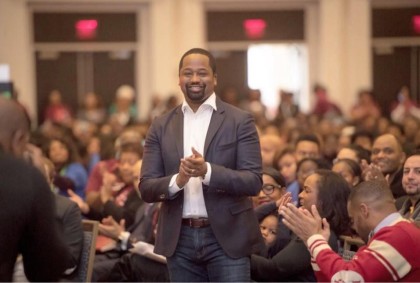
x: 224, y: 194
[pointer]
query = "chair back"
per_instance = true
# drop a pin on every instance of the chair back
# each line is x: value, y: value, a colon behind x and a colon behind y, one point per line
x: 350, y: 246
x: 85, y: 267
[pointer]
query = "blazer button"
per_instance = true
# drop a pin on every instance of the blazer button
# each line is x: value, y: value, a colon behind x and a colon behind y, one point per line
x: 162, y: 196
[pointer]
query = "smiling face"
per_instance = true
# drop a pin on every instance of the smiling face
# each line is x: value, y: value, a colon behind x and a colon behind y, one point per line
x: 272, y: 196
x: 58, y: 152
x: 309, y: 194
x: 387, y: 154
x: 126, y: 166
x: 196, y: 79
x: 411, y: 175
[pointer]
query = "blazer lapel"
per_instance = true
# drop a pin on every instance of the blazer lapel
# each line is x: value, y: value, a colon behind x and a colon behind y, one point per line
x: 178, y: 134
x: 215, y: 123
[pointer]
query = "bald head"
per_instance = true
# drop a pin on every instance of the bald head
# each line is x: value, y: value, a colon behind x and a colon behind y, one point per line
x: 14, y: 127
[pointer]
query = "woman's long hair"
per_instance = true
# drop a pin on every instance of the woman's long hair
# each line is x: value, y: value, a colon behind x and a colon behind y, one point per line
x: 333, y: 194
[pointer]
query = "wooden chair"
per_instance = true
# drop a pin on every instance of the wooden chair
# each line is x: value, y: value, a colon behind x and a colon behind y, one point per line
x: 85, y: 267
x: 349, y: 242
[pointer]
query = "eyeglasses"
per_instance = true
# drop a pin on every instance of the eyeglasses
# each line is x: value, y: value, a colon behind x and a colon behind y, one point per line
x: 268, y: 189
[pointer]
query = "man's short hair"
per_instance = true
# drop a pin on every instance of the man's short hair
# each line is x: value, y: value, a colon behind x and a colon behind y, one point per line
x: 372, y: 190
x: 308, y: 137
x: 212, y: 60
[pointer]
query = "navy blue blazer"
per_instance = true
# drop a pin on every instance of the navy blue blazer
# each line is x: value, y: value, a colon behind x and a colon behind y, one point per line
x: 232, y: 148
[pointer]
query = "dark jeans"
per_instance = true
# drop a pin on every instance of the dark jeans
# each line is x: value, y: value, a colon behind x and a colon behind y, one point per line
x: 137, y: 268
x: 199, y: 258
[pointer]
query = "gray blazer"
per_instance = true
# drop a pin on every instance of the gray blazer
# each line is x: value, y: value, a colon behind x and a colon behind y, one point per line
x: 233, y: 151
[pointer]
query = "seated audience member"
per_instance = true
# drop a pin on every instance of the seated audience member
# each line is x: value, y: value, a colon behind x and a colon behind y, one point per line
x: 27, y: 205
x: 366, y: 107
x: 287, y: 108
x: 329, y: 192
x: 354, y: 152
x: 117, y: 197
x: 324, y: 107
x: 285, y: 162
x: 92, y: 109
x: 307, y: 166
x: 404, y: 106
x: 57, y: 111
x: 350, y: 170
x: 362, y: 138
x: 272, y: 195
x: 307, y: 146
x: 274, y: 187
x: 269, y: 143
x: 65, y: 158
x: 140, y: 230
x: 411, y: 183
x: 122, y: 111
x: 109, y: 163
x: 68, y: 218
x: 388, y: 155
x: 392, y: 246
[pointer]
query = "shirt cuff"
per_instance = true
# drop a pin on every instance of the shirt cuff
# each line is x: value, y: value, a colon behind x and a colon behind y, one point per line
x: 316, y: 243
x: 173, y: 187
x: 123, y: 237
x: 206, y: 179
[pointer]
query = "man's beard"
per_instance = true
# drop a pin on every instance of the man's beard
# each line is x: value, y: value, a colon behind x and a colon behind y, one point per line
x: 196, y: 96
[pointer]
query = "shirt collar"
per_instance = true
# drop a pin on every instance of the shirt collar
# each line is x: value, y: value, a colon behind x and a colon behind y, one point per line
x: 210, y: 101
x: 387, y: 221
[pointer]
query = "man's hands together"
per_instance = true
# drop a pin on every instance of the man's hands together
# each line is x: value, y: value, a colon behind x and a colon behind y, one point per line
x: 191, y: 166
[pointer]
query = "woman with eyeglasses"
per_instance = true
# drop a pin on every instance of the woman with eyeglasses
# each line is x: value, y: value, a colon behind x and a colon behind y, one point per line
x: 329, y: 192
x: 274, y: 187
x: 273, y: 193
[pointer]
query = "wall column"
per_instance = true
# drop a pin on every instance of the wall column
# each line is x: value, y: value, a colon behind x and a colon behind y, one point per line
x: 344, y: 49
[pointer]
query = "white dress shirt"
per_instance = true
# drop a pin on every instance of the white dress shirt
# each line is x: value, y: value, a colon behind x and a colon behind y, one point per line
x: 196, y: 126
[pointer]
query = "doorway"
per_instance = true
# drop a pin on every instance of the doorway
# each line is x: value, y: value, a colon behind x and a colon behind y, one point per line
x: 76, y: 73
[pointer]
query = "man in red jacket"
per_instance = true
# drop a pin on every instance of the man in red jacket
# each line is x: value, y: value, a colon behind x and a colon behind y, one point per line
x: 392, y: 246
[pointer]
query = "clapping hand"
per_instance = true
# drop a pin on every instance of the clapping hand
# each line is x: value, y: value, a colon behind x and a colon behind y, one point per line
x: 111, y: 228
x: 284, y: 200
x: 191, y: 166
x: 304, y: 223
x: 372, y: 172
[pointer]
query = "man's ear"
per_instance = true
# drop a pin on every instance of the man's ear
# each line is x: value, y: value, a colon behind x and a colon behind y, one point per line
x: 364, y: 210
x: 18, y: 141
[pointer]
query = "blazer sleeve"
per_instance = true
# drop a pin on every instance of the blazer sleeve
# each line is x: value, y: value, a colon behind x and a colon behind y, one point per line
x: 154, y: 185
x: 44, y: 252
x: 243, y: 177
x: 73, y: 232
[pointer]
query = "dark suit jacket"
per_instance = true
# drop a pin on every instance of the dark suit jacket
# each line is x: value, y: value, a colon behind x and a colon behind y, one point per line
x: 233, y: 151
x: 69, y: 219
x: 27, y: 223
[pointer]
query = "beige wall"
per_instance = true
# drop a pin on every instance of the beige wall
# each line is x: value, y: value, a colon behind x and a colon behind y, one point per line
x: 338, y: 41
x: 344, y: 49
x: 16, y: 51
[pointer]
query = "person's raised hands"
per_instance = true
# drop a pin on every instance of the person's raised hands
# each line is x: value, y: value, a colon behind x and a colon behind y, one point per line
x: 304, y: 223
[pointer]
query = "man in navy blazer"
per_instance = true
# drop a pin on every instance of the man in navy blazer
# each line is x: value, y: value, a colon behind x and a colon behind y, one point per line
x: 203, y: 161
